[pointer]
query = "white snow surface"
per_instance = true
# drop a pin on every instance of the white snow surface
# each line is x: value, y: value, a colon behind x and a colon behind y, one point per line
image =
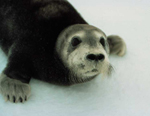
x: 125, y: 93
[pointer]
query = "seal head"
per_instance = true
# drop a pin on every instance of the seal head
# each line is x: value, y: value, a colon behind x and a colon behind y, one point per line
x: 84, y: 51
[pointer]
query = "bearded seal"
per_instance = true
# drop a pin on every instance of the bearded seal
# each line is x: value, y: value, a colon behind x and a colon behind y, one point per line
x: 50, y: 41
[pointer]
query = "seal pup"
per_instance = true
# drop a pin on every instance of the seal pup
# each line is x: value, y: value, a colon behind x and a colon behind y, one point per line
x: 50, y: 41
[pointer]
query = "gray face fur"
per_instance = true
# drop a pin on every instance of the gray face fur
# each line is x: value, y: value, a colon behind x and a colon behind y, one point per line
x: 82, y: 52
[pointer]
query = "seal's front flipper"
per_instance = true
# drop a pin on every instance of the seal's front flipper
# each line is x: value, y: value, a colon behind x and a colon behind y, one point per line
x: 14, y: 90
x: 117, y: 45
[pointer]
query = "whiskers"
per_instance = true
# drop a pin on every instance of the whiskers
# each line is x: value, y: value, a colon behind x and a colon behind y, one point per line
x: 110, y: 70
x: 106, y: 69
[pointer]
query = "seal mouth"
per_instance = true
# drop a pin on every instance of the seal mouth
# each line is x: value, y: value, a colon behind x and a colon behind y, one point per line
x: 94, y: 70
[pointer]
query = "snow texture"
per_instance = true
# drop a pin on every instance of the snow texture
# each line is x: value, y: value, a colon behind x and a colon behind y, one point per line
x: 125, y: 93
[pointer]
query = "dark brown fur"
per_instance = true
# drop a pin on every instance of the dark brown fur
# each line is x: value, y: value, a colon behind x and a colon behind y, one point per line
x: 28, y: 32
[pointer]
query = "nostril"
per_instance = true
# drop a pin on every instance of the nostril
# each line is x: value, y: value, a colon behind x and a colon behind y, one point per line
x: 91, y: 57
x: 100, y: 57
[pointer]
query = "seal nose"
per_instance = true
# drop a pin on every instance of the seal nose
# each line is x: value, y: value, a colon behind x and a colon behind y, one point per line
x: 98, y: 57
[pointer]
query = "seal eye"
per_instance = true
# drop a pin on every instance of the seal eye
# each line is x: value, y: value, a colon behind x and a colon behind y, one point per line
x: 102, y: 41
x: 75, y: 41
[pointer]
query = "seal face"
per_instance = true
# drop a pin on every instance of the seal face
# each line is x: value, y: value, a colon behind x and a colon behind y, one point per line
x: 84, y: 51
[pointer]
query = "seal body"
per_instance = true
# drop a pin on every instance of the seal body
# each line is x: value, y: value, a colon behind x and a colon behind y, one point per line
x: 28, y: 32
x: 50, y: 41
